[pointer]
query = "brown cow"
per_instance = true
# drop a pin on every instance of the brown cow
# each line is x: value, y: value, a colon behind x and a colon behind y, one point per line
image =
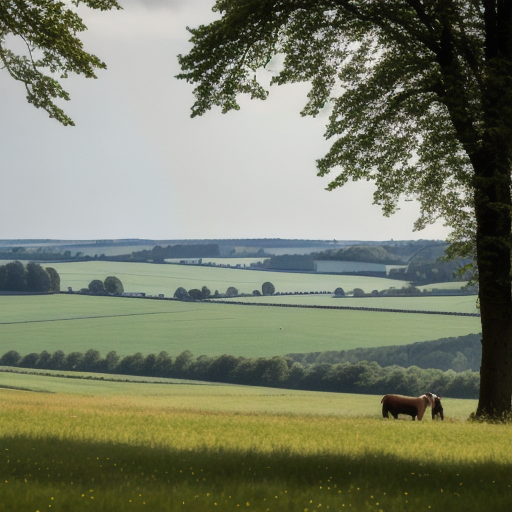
x: 413, y: 406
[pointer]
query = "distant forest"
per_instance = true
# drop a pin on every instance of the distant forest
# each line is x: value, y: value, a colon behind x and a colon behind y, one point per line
x: 458, y: 354
x: 158, y: 254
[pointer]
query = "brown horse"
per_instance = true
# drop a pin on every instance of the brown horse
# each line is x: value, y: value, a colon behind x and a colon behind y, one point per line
x: 413, y: 406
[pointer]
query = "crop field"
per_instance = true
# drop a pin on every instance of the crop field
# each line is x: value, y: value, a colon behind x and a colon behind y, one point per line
x: 103, y: 446
x: 165, y: 279
x: 456, y: 304
x: 128, y: 325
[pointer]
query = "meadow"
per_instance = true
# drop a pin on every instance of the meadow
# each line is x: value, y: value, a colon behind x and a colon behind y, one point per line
x: 165, y: 279
x: 128, y: 325
x: 456, y: 304
x: 96, y: 445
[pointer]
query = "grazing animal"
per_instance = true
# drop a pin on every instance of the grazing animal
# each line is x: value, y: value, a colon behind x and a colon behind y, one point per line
x: 413, y: 406
x: 437, y: 407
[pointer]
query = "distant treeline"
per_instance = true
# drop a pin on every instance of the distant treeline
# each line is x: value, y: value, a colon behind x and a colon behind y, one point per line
x: 424, y: 263
x: 458, y: 354
x: 159, y: 254
x: 281, y: 372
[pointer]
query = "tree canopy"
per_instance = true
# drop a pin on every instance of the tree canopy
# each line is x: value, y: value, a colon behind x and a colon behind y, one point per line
x: 48, y: 30
x: 114, y: 285
x: 419, y: 96
x: 268, y: 288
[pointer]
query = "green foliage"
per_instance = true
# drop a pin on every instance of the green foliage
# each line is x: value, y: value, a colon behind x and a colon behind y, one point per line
x: 113, y: 285
x: 231, y: 291
x: 363, y: 253
x: 196, y: 294
x: 379, y: 68
x: 458, y: 354
x: 181, y: 294
x: 159, y: 254
x: 37, y: 279
x: 268, y: 288
x: 54, y: 279
x: 48, y: 32
x: 15, y: 277
x: 96, y: 286
x: 360, y: 377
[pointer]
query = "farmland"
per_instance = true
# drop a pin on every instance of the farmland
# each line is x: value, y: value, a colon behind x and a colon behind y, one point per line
x: 165, y: 279
x: 456, y: 304
x: 79, y: 323
x: 97, y: 445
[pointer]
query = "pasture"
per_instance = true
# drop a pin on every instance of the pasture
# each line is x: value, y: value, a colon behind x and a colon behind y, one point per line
x: 127, y: 325
x: 156, y: 279
x: 94, y: 445
x: 456, y: 304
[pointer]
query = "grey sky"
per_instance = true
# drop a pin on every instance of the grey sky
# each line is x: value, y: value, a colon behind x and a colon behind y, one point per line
x: 136, y: 165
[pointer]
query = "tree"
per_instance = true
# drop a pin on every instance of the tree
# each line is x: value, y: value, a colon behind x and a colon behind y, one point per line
x: 196, y: 294
x: 420, y: 99
x: 206, y: 292
x: 231, y: 291
x: 11, y: 358
x: 54, y: 279
x: 268, y: 288
x: 181, y: 294
x: 113, y: 285
x: 38, y: 279
x: 48, y: 32
x: 358, y: 292
x: 339, y: 292
x: 13, y: 277
x: 96, y: 287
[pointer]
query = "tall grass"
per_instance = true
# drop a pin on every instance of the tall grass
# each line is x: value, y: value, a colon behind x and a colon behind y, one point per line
x: 73, y: 452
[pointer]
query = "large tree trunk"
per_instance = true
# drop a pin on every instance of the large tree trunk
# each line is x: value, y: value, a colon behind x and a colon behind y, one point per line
x: 493, y: 260
x: 493, y: 209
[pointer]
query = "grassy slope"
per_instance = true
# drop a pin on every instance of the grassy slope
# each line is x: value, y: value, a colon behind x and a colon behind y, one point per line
x: 79, y: 323
x: 204, y: 448
x: 456, y: 304
x: 213, y: 397
x: 156, y: 279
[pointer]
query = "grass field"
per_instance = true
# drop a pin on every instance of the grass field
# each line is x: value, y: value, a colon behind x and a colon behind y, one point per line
x: 155, y: 279
x: 79, y: 323
x: 456, y: 304
x: 103, y: 446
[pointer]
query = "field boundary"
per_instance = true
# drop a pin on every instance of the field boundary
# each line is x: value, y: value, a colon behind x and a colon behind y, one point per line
x: 357, y: 308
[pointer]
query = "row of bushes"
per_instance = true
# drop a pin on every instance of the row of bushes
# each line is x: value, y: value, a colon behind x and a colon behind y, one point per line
x: 282, y: 372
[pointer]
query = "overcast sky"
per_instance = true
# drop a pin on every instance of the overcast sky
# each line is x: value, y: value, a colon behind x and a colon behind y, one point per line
x: 137, y: 166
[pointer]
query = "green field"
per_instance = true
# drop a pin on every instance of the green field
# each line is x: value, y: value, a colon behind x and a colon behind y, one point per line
x: 104, y: 446
x: 155, y: 279
x: 214, y: 397
x: 456, y: 304
x: 127, y: 325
